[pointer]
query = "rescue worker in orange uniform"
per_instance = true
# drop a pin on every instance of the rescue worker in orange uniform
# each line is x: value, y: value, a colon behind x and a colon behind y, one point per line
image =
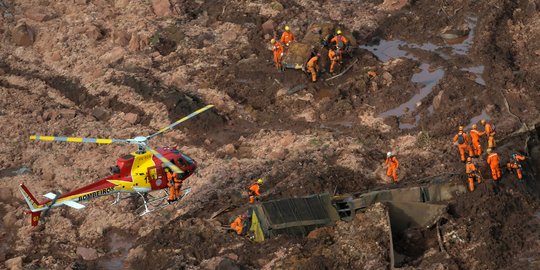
x: 489, y: 131
x: 515, y: 164
x: 493, y: 161
x: 313, y: 67
x: 472, y: 174
x: 393, y: 165
x: 340, y: 42
x: 171, y: 182
x: 238, y: 224
x: 462, y: 140
x: 277, y: 48
x: 335, y: 59
x: 475, y: 138
x: 254, y: 191
x: 287, y: 37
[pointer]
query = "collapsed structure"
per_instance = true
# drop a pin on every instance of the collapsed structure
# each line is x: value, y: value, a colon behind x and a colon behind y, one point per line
x: 411, y: 207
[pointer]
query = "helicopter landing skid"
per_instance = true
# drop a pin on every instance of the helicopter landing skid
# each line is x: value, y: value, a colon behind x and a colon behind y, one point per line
x: 155, y: 203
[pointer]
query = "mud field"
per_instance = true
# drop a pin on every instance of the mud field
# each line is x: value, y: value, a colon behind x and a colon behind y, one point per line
x: 124, y: 68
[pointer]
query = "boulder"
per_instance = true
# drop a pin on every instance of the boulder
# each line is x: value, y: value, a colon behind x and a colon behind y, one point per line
x: 14, y: 263
x: 121, y: 3
x: 22, y: 35
x: 68, y: 113
x: 100, y: 114
x: 134, y: 43
x: 120, y: 38
x: 93, y: 32
x: 162, y: 7
x: 437, y: 100
x: 88, y: 254
x: 39, y: 14
x: 131, y: 118
x: 229, y: 149
x: 114, y: 56
x: 268, y: 27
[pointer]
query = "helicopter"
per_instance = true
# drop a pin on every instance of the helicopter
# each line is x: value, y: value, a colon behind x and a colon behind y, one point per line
x: 137, y: 173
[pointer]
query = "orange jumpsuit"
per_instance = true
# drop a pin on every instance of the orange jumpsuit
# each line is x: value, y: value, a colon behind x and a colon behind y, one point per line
x: 171, y: 183
x: 393, y: 165
x: 339, y: 41
x: 514, y: 164
x: 471, y: 174
x: 493, y: 161
x: 334, y: 58
x: 238, y: 225
x: 287, y: 37
x: 253, y: 192
x: 313, y: 67
x: 475, y: 138
x: 488, y: 130
x: 464, y: 146
x: 278, y: 53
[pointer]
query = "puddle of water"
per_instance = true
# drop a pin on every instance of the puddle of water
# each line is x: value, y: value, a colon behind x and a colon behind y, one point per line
x: 119, y: 244
x: 10, y: 172
x: 477, y: 119
x: 477, y: 71
x: 386, y: 50
x: 426, y: 77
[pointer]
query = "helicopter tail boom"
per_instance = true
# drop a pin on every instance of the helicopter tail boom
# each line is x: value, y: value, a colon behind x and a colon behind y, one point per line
x: 34, y: 205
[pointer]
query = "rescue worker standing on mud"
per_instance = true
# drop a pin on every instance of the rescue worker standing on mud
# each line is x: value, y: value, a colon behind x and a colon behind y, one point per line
x: 335, y: 59
x: 313, y: 66
x: 277, y: 48
x: 393, y: 165
x: 489, y: 131
x: 475, y: 138
x: 287, y: 37
x: 493, y: 162
x: 171, y: 183
x: 472, y: 174
x: 462, y: 141
x: 515, y: 164
x: 340, y: 42
x: 254, y: 191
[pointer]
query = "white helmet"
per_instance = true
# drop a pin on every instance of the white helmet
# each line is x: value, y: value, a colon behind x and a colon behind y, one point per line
x: 389, y: 154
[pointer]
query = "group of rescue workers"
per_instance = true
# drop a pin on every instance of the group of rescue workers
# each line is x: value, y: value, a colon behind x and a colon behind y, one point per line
x: 469, y: 147
x: 335, y: 53
x: 466, y: 143
x: 174, y: 183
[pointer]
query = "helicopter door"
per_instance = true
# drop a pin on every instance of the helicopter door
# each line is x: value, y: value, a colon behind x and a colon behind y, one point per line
x: 157, y: 177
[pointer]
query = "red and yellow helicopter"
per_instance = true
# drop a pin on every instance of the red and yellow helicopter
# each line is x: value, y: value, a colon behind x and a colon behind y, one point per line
x: 138, y: 173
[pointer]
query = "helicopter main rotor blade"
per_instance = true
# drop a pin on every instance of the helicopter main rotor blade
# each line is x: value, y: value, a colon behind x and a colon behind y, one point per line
x: 165, y: 161
x: 171, y: 126
x: 76, y: 139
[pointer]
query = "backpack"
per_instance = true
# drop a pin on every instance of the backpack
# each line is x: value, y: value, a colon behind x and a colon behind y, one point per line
x: 460, y: 139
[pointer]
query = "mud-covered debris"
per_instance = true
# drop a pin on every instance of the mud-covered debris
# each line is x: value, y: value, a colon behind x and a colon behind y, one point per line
x: 14, y: 263
x: 22, y: 35
x: 40, y: 14
x: 88, y: 254
x: 162, y: 8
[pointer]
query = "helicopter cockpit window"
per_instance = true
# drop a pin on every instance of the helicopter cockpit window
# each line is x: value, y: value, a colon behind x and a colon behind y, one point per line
x: 188, y: 159
x: 182, y: 162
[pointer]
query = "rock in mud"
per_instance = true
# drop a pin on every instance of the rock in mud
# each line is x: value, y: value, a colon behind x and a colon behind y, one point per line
x: 131, y: 118
x: 93, y: 32
x: 88, y: 254
x: 39, y: 14
x: 437, y: 100
x: 268, y: 27
x: 22, y: 35
x: 114, y: 56
x: 14, y: 263
x: 162, y: 7
x: 100, y: 114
